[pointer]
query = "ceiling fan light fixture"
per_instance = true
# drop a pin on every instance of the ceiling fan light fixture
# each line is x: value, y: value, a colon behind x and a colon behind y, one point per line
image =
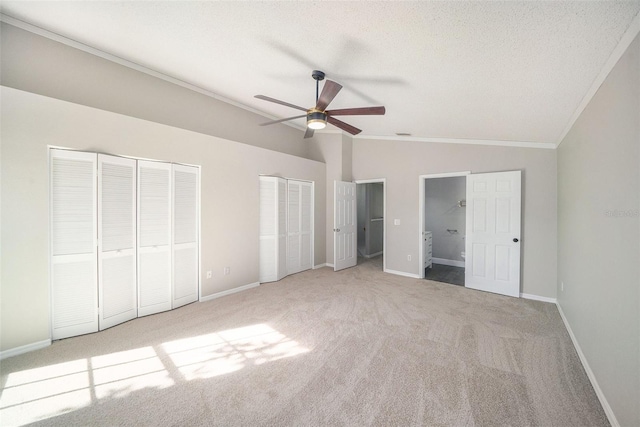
x: 316, y: 120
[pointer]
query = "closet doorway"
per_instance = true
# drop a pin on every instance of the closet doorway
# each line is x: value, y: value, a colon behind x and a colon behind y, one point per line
x: 493, y: 215
x: 371, y: 209
x: 444, y: 229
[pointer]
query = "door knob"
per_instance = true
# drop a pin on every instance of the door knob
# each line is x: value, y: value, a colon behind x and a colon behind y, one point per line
x: 515, y: 240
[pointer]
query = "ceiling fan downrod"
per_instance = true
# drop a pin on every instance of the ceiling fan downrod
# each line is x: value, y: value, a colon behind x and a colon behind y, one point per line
x: 317, y: 76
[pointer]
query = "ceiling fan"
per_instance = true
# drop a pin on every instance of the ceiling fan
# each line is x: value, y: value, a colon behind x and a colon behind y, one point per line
x: 318, y: 116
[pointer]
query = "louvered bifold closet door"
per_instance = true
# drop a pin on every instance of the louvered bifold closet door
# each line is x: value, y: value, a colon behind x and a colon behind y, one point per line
x: 293, y: 226
x: 306, y: 225
x: 116, y: 240
x: 269, y: 229
x: 154, y: 237
x: 281, y: 248
x: 74, y: 287
x: 186, y: 208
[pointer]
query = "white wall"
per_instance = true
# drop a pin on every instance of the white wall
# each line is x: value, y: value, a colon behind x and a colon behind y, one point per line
x: 598, y: 235
x: 229, y: 208
x: 441, y: 212
x: 402, y: 162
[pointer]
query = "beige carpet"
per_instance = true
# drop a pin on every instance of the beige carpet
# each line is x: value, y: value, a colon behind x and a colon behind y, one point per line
x: 357, y: 347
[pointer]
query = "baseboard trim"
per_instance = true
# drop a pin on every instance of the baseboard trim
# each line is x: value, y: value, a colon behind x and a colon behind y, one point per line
x: 329, y: 265
x: 539, y: 298
x: 373, y: 255
x: 24, y: 349
x: 315, y: 267
x: 402, y: 273
x: 230, y: 291
x: 449, y: 262
x: 596, y: 387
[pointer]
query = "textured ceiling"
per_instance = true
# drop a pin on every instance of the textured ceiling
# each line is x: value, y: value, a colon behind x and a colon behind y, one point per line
x: 510, y: 71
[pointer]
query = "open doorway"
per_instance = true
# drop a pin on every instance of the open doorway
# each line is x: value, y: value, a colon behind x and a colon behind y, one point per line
x: 371, y: 222
x: 443, y: 227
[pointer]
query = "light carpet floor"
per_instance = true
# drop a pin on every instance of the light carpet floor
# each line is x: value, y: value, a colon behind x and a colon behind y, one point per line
x: 356, y: 347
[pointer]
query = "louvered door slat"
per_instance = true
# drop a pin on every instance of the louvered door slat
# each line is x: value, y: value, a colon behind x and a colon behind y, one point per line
x: 186, y: 194
x: 117, y: 240
x: 74, y: 299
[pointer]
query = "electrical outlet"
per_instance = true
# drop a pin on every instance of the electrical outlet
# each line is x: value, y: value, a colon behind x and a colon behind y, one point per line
x: 561, y: 286
x: 209, y: 274
x: 408, y: 257
x: 227, y: 271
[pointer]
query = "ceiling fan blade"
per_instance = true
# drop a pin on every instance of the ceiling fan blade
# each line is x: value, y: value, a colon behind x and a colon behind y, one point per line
x: 273, y: 122
x: 344, y: 126
x: 364, y: 111
x: 308, y: 133
x: 329, y: 91
x: 277, y: 101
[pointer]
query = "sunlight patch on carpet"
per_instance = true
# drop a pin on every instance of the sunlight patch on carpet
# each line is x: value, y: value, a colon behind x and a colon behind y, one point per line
x: 220, y: 353
x: 42, y: 392
x: 49, y: 391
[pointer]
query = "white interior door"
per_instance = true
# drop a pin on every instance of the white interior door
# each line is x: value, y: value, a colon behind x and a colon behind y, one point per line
x: 269, y: 229
x: 74, y: 287
x: 345, y: 222
x: 117, y: 290
x: 154, y: 237
x: 273, y: 228
x: 186, y: 208
x: 493, y: 232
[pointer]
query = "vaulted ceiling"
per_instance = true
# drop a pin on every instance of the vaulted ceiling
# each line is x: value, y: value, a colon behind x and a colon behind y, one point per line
x: 505, y: 71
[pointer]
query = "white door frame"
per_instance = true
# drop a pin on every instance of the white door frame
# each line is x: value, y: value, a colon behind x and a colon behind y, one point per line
x: 421, y: 222
x: 384, y: 214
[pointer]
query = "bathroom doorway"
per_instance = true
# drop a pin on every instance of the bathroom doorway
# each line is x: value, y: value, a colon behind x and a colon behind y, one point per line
x: 443, y: 227
x: 371, y: 207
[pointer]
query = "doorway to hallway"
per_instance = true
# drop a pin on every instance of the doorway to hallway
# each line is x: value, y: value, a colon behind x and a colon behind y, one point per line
x: 371, y: 209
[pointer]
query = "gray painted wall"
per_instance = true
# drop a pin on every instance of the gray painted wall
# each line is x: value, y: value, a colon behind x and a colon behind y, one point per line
x: 39, y: 65
x: 441, y: 212
x: 402, y: 162
x: 598, y: 235
x: 229, y: 205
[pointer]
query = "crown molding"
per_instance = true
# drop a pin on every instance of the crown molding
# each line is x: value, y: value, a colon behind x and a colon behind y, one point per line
x: 135, y: 66
x: 520, y: 144
x: 621, y: 48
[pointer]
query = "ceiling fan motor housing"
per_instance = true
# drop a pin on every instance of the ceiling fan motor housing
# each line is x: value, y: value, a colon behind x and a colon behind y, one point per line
x: 316, y: 119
